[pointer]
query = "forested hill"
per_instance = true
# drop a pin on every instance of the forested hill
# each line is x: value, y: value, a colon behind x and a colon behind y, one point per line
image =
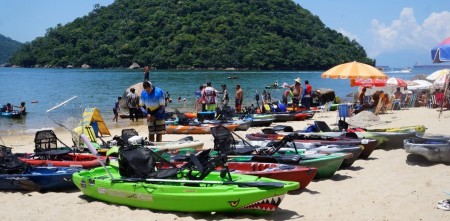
x: 7, y: 48
x: 170, y: 34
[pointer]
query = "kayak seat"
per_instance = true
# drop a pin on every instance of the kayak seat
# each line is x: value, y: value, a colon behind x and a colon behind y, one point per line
x: 202, y: 164
x: 322, y: 126
x: 45, y: 146
x: 225, y: 143
x: 140, y: 162
x: 45, y: 140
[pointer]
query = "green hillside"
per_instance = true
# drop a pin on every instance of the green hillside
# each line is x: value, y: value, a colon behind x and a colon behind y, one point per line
x: 168, y: 34
x: 7, y: 48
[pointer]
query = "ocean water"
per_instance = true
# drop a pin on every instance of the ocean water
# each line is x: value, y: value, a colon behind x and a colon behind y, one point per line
x: 101, y: 87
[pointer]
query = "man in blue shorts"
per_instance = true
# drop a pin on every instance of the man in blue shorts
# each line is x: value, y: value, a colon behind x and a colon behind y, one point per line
x: 152, y: 104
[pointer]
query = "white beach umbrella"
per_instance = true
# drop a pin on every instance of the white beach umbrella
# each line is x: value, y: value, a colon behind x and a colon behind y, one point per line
x: 435, y: 75
x: 419, y: 85
x: 440, y: 81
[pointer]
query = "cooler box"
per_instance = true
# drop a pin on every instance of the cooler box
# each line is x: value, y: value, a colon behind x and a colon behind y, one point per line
x: 344, y: 110
x: 206, y: 115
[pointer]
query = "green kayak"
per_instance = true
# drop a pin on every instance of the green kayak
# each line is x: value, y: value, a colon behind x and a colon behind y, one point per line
x: 246, y: 194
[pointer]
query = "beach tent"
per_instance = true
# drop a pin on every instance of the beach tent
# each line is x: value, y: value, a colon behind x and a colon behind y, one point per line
x: 92, y: 117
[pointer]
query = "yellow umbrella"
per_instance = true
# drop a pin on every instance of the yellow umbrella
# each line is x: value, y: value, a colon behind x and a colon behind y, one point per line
x: 354, y: 70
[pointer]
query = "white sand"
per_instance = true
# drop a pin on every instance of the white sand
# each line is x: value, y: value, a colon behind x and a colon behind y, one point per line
x: 390, y: 185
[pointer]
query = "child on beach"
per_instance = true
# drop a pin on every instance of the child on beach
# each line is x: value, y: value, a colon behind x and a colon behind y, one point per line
x: 116, y: 109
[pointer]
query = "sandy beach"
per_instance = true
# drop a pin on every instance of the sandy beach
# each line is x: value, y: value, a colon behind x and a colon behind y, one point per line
x: 389, y: 185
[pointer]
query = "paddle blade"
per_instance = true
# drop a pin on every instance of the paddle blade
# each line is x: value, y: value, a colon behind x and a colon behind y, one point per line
x: 29, y: 185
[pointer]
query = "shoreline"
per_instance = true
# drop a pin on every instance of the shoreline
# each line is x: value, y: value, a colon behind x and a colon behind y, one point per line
x: 389, y: 185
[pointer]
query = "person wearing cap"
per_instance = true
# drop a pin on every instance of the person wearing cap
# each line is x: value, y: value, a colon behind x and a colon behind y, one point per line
x: 296, y: 93
x: 209, y: 95
x: 239, y: 98
x: 225, y: 98
x: 152, y: 104
x: 306, y: 95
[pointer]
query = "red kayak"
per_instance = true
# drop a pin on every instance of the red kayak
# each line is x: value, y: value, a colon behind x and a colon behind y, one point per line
x: 300, y: 116
x: 296, y: 173
x: 300, y: 174
x: 83, y: 160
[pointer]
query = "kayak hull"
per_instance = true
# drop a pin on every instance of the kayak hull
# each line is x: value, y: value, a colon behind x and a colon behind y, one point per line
x: 434, y: 150
x: 201, y: 129
x: 40, y: 179
x: 82, y: 160
x: 168, y: 196
x: 302, y: 175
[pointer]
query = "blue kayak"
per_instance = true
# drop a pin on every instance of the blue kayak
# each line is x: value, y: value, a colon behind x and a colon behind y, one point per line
x: 13, y: 114
x: 40, y: 179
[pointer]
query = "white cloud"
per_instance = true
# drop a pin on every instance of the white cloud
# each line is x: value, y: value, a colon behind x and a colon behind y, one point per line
x: 348, y: 34
x: 405, y: 33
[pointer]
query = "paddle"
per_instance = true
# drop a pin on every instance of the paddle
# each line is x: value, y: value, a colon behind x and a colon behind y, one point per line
x: 28, y: 185
x: 248, y: 184
x: 95, y: 153
x: 241, y: 184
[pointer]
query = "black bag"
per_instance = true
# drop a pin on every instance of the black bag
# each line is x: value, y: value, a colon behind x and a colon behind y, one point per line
x: 140, y: 162
x: 10, y: 164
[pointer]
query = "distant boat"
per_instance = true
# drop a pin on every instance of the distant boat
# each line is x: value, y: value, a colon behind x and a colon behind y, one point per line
x: 403, y: 70
x: 232, y: 77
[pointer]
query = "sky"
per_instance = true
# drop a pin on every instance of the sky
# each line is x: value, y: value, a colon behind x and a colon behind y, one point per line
x: 396, y: 33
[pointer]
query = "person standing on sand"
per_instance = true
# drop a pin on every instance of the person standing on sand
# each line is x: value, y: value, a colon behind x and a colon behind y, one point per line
x: 239, y: 98
x: 306, y: 95
x: 133, y: 104
x: 209, y: 95
x: 225, y: 98
x: 152, y: 104
x: 147, y: 73
x: 116, y: 109
x: 296, y: 93
x: 198, y: 99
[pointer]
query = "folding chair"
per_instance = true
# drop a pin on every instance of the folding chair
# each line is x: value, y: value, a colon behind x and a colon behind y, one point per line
x: 432, y: 101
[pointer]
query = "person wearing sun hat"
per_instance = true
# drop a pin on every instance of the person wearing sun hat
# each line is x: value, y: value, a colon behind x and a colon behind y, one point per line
x: 296, y: 93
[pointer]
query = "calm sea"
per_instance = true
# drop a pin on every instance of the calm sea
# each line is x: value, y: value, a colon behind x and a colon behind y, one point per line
x: 100, y: 88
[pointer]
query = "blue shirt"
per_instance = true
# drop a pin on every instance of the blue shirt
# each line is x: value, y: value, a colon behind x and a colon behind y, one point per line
x: 153, y: 101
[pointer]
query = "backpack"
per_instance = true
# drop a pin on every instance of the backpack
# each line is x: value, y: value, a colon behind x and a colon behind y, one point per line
x: 10, y: 164
x: 140, y: 162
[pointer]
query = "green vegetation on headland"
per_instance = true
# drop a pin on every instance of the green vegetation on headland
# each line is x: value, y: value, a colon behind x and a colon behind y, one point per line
x: 200, y: 34
x: 7, y: 48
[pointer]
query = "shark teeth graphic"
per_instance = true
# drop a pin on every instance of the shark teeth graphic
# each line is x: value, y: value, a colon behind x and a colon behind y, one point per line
x: 268, y: 204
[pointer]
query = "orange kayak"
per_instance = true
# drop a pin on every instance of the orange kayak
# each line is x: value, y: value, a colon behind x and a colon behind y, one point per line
x: 191, y: 115
x: 200, y: 129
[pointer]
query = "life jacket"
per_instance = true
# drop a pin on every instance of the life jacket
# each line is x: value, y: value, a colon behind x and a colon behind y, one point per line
x: 308, y: 89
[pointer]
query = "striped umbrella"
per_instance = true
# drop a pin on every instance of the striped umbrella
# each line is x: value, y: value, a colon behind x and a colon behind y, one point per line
x: 396, y: 82
x: 354, y: 70
x: 441, y: 53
